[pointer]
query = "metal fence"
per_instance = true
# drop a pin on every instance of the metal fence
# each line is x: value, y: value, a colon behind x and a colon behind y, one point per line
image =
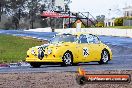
x: 127, y: 22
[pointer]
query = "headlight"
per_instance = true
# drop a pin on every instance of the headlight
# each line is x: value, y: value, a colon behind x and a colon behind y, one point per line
x: 33, y: 52
x: 49, y: 51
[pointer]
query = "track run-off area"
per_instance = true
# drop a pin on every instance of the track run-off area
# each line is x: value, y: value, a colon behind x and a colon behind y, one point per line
x: 121, y: 48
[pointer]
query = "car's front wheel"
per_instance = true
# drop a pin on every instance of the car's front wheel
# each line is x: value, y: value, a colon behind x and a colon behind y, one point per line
x: 104, y: 57
x: 67, y: 59
x: 35, y: 64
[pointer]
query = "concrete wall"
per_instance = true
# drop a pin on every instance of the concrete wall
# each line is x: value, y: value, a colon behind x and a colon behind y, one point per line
x: 48, y: 29
x: 100, y: 31
x: 96, y: 31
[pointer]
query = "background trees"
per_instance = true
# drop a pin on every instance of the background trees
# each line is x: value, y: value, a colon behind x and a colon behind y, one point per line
x: 21, y: 14
x: 14, y: 10
x: 33, y: 7
x: 100, y: 20
x: 119, y: 21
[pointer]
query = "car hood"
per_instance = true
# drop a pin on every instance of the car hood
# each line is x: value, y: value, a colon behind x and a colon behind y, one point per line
x: 53, y: 45
x: 61, y: 44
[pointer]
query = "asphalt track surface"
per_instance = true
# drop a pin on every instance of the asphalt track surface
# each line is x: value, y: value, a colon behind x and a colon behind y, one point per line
x: 122, y: 57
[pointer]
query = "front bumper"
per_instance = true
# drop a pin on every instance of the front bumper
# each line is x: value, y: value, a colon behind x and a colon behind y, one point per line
x: 56, y: 60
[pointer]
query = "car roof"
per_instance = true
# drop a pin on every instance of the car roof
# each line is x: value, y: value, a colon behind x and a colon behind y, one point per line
x: 77, y: 33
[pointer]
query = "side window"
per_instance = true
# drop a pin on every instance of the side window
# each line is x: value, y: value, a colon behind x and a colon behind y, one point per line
x: 92, y: 39
x: 83, y: 39
x: 95, y: 39
x: 88, y: 39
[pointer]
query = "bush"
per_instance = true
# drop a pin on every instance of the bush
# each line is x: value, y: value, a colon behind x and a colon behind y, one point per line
x: 119, y: 22
x: 100, y: 24
x: 23, y: 26
x: 8, y: 25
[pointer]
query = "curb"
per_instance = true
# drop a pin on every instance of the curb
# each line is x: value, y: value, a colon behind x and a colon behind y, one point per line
x: 4, y: 65
x: 19, y: 64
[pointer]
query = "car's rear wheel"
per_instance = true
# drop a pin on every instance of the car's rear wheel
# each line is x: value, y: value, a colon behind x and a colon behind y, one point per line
x: 104, y: 57
x: 67, y: 59
x: 35, y: 64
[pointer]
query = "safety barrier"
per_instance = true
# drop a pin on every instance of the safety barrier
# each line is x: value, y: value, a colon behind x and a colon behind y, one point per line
x: 100, y: 31
x: 48, y: 29
x: 96, y: 31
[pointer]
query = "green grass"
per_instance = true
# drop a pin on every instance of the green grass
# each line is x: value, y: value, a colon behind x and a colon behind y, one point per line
x: 13, y: 49
x: 121, y: 27
x: 118, y: 27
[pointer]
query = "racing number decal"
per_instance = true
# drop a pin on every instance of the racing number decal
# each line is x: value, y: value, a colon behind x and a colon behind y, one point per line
x: 85, y: 52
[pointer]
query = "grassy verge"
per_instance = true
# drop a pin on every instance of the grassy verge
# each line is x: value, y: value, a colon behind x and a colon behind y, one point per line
x: 118, y: 27
x: 121, y: 27
x: 13, y: 49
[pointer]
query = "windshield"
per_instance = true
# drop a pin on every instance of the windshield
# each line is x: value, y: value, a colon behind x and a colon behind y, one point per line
x: 64, y: 38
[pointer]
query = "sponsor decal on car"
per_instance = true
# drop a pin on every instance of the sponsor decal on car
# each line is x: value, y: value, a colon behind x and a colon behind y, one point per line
x: 85, y: 52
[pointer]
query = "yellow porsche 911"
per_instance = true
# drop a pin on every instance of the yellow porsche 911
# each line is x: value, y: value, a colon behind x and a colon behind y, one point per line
x: 70, y: 49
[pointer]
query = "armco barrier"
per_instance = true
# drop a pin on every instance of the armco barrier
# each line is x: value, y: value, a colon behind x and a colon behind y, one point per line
x: 100, y: 31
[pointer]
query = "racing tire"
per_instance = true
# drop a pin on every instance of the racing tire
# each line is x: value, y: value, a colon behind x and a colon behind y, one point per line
x: 67, y: 59
x: 35, y: 65
x: 104, y: 57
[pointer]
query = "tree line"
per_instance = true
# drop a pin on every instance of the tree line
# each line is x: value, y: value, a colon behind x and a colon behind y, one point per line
x: 25, y: 13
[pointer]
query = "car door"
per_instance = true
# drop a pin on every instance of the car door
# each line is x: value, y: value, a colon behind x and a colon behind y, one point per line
x: 83, y: 49
x: 94, y: 46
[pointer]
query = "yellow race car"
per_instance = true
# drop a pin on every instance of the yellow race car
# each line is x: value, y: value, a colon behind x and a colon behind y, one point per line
x: 70, y: 49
